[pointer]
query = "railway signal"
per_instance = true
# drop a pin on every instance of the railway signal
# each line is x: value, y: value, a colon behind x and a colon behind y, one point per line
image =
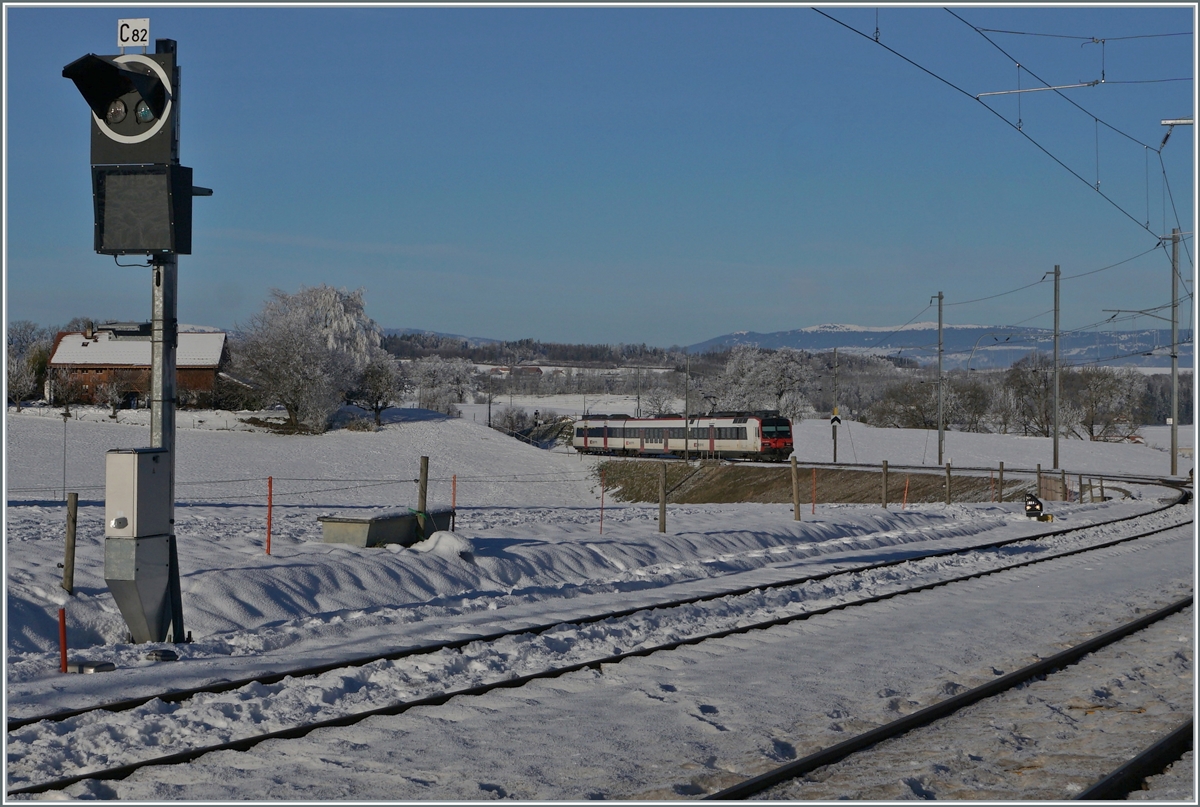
x: 142, y: 198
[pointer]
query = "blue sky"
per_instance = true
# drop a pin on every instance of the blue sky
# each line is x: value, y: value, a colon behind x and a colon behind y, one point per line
x: 658, y: 175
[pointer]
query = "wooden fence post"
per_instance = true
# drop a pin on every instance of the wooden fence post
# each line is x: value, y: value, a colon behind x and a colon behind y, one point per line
x: 1001, y: 482
x: 947, y: 483
x: 422, y: 496
x: 795, y: 490
x: 602, y: 502
x: 814, y: 496
x: 885, y: 481
x: 662, y: 496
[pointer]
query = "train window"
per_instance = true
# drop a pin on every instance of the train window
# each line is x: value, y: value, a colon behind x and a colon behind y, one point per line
x: 579, y: 432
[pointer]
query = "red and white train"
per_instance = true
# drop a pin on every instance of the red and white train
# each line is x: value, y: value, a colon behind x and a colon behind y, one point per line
x: 736, y: 435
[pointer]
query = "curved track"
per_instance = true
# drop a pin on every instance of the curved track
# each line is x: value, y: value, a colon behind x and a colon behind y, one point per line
x: 177, y: 696
x: 121, y: 771
x: 1146, y: 763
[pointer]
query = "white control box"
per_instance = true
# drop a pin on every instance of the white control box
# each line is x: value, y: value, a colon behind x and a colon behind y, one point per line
x: 137, y: 495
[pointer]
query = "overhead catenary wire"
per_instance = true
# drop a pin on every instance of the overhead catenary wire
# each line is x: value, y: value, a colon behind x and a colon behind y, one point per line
x: 1023, y: 133
x: 1086, y: 38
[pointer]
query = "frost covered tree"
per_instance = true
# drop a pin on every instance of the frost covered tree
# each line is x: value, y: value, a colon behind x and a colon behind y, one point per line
x: 27, y: 354
x: 306, y: 351
x: 22, y: 380
x: 383, y: 383
x: 757, y: 379
x: 442, y: 384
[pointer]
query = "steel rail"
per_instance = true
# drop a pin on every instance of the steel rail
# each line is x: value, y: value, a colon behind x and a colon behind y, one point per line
x: 245, y: 743
x: 1127, y: 778
x: 941, y: 709
x: 267, y: 679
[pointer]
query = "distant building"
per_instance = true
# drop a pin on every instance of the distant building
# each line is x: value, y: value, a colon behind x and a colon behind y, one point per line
x: 95, y: 365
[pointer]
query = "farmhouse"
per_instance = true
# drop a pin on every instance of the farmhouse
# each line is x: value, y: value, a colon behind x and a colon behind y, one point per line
x: 112, y: 363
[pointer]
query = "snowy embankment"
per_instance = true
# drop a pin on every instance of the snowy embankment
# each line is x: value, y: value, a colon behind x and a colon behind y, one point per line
x: 528, y: 547
x: 531, y: 518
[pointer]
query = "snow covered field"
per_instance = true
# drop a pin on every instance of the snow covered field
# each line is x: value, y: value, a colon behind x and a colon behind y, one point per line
x: 527, y: 550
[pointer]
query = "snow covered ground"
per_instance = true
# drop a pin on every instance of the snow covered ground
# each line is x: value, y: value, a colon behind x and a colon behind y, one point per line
x: 528, y: 549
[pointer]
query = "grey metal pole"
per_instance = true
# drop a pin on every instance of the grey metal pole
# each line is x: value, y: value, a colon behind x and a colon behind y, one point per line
x: 1175, y: 352
x: 833, y: 424
x: 1057, y: 273
x: 68, y: 581
x: 687, y: 420
x: 941, y: 422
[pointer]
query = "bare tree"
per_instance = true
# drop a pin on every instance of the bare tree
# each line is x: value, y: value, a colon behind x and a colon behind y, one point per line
x: 117, y: 388
x: 1107, y: 400
x: 659, y: 401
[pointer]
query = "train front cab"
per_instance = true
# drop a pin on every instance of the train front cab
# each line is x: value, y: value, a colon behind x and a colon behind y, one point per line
x: 777, y: 437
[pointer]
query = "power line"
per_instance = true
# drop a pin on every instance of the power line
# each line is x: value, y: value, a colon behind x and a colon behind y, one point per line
x: 1039, y: 78
x: 1021, y: 131
x: 1086, y: 38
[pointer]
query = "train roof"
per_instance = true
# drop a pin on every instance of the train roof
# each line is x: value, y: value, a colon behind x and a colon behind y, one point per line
x: 757, y: 413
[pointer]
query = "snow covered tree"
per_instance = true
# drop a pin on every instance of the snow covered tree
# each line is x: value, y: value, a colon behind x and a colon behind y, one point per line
x: 382, y: 385
x: 441, y: 384
x: 22, y: 380
x: 756, y: 379
x: 306, y: 351
x: 28, y: 353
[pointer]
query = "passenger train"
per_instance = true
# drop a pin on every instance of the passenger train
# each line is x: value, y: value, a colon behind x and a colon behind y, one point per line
x: 760, y: 435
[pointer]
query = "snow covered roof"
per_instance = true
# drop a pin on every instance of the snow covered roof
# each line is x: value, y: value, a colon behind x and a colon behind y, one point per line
x: 104, y: 349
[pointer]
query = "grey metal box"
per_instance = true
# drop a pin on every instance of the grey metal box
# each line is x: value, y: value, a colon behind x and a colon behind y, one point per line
x: 137, y: 495
x: 385, y: 528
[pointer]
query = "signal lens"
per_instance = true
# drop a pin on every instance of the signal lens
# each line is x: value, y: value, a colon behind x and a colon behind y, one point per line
x: 116, y: 111
x: 142, y: 113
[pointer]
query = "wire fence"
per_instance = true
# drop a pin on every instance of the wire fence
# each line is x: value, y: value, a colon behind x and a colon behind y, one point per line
x: 248, y: 489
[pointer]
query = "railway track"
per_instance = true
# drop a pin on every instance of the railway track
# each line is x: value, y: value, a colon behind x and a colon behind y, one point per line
x: 181, y: 695
x: 841, y: 769
x: 777, y: 603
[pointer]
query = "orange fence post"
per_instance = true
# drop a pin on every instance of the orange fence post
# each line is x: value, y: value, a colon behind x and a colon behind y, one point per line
x: 905, y: 493
x: 62, y: 639
x: 814, y: 498
x: 270, y: 504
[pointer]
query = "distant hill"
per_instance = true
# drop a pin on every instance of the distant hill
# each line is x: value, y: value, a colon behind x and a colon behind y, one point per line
x: 985, y: 347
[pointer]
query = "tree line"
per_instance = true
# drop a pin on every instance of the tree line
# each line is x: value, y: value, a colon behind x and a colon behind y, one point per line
x: 314, y: 351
